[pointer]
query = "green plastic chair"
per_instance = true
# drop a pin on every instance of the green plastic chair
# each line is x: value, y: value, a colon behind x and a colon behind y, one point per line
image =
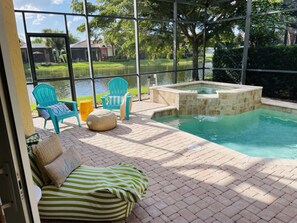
x: 117, y: 90
x: 50, y: 108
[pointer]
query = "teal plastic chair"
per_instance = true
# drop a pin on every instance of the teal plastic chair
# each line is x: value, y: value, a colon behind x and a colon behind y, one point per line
x: 50, y: 108
x: 117, y: 90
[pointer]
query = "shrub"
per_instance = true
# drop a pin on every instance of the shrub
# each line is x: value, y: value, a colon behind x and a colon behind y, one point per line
x: 275, y: 85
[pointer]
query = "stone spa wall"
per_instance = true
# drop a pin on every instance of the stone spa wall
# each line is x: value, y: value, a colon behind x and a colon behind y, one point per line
x: 234, y: 100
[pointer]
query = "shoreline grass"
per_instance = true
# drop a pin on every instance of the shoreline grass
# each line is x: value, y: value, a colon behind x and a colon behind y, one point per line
x: 111, y: 65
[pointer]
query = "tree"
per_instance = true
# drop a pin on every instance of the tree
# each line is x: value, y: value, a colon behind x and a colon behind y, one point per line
x: 72, y: 38
x: 57, y: 44
x: 37, y: 40
x: 154, y: 36
x: 199, y: 12
x: 270, y: 29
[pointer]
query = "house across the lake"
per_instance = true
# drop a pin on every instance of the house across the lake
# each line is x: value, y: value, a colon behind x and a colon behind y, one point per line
x: 41, y: 53
x: 100, y: 51
x: 44, y: 54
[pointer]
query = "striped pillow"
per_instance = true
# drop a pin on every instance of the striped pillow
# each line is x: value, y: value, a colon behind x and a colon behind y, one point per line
x: 115, y: 100
x: 36, y: 174
x: 59, y: 109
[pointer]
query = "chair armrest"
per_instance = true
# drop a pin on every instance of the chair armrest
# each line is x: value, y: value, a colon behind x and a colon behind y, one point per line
x: 47, y: 109
x: 73, y: 105
x: 42, y: 107
x: 104, y: 96
x: 103, y: 99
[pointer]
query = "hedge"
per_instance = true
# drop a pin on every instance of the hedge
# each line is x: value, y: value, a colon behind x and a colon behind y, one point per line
x: 275, y: 85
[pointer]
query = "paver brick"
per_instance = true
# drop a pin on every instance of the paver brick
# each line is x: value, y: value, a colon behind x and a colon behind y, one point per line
x: 189, y: 216
x: 275, y: 220
x: 170, y: 210
x: 249, y: 216
x: 230, y: 211
x: 241, y: 204
x: 222, y: 218
x: 283, y: 217
x: 216, y: 207
x: 266, y: 214
x: 290, y: 211
x: 204, y: 214
x: 153, y: 211
x: 180, y: 219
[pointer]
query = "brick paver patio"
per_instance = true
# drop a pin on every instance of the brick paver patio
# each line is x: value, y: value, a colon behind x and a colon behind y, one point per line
x: 211, y: 184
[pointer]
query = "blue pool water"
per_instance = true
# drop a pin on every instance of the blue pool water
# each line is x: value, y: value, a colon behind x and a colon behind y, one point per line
x: 258, y: 133
x: 204, y: 88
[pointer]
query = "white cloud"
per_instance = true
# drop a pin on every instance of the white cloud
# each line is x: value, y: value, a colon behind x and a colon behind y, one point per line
x: 77, y: 18
x: 38, y: 20
x: 69, y: 23
x: 29, y: 7
x: 57, y: 2
x: 18, y: 16
x: 22, y: 36
x: 40, y: 4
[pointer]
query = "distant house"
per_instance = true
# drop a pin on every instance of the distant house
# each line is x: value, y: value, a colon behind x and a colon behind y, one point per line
x: 100, y: 52
x: 79, y: 52
x: 41, y: 53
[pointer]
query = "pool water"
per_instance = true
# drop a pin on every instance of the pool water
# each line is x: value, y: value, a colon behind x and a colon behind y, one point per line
x: 258, y: 133
x: 203, y: 88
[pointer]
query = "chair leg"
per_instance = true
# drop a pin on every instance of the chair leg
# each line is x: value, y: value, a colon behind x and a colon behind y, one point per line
x: 44, y: 125
x: 128, y: 109
x: 77, y: 117
x: 56, y: 126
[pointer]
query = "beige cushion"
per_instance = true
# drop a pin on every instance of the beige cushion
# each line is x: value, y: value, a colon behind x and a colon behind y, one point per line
x: 102, y: 120
x: 46, y: 152
x: 60, y: 168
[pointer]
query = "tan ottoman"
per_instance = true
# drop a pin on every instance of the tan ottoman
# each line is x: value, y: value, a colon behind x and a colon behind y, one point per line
x: 101, y: 120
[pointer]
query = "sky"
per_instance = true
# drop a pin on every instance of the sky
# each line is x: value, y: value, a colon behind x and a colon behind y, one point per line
x: 38, y: 22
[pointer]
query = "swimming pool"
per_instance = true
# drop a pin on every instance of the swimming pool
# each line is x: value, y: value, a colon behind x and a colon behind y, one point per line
x: 203, y: 88
x: 258, y: 133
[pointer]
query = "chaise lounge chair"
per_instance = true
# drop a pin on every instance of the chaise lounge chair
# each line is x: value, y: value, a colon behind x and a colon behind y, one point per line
x: 90, y: 193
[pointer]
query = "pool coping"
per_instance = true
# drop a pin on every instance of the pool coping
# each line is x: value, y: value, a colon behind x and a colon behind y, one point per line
x: 288, y: 107
x: 222, y: 84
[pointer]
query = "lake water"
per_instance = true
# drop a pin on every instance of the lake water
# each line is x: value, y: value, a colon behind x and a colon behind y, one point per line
x: 84, y: 87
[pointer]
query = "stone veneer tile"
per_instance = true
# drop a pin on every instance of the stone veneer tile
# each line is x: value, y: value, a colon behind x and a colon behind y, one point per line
x: 226, y: 102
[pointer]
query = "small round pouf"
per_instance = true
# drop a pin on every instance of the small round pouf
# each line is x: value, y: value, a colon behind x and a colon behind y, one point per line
x: 101, y: 120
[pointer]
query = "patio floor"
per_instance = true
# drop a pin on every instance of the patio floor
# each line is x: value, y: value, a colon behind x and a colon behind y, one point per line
x: 213, y: 184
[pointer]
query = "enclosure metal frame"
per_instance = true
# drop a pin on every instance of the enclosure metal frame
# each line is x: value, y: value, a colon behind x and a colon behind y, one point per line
x: 89, y: 49
x: 69, y: 60
x: 175, y: 3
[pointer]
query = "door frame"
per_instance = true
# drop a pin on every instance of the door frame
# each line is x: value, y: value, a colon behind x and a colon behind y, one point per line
x: 69, y: 60
x: 20, y: 171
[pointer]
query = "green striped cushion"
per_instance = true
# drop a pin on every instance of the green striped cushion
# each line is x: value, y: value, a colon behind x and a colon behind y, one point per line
x: 94, y: 194
x: 115, y: 100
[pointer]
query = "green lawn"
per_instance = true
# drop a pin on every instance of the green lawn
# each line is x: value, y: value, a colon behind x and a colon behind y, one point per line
x: 102, y: 65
